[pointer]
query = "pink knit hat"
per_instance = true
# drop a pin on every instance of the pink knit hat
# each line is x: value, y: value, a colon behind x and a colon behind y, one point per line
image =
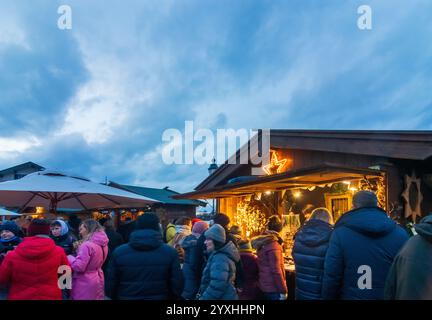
x: 199, y: 227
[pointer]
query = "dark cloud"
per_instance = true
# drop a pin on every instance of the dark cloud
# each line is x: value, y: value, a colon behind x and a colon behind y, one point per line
x: 39, y: 77
x: 99, y: 97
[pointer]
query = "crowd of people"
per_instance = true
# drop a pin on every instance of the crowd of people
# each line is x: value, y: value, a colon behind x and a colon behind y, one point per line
x: 364, y: 255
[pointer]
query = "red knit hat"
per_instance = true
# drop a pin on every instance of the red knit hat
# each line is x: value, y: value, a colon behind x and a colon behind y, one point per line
x: 199, y: 227
x: 39, y: 227
x: 195, y: 220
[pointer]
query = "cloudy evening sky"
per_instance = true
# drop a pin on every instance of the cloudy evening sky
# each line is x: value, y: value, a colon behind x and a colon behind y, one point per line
x: 96, y: 99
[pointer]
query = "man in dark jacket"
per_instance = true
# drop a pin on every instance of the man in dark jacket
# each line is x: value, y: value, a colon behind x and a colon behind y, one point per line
x: 361, y: 250
x: 145, y: 268
x: 310, y: 248
x: 410, y: 277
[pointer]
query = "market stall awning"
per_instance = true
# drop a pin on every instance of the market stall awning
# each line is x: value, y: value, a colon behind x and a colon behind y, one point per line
x: 50, y: 189
x: 4, y: 212
x: 312, y: 176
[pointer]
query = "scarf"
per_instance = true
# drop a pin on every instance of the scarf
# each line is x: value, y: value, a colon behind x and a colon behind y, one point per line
x: 14, y: 238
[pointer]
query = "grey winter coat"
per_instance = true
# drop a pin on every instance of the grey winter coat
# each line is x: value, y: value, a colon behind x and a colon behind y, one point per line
x: 410, y: 276
x: 218, y: 277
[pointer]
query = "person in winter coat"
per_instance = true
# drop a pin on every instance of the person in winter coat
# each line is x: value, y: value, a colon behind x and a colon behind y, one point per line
x: 361, y: 250
x: 410, y: 276
x: 115, y: 239
x: 236, y: 233
x: 189, y: 244
x: 61, y: 236
x: 9, y: 238
x: 218, y: 277
x: 31, y: 270
x: 183, y: 229
x: 170, y: 232
x: 145, y: 268
x: 18, y: 222
x: 88, y: 277
x: 74, y: 223
x: 127, y: 228
x: 251, y: 290
x: 272, y: 278
x: 224, y: 221
x: 310, y: 247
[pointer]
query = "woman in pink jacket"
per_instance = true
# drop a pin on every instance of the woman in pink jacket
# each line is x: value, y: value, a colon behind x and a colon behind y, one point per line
x: 88, y: 278
x: 272, y: 280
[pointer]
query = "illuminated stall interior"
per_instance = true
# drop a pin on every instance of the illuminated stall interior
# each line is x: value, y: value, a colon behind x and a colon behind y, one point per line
x: 291, y: 194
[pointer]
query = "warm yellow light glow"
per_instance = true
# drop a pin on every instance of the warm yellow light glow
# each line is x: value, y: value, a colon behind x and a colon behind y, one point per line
x: 40, y: 210
x: 346, y: 182
x: 275, y: 164
x: 250, y: 218
x: 268, y: 192
x: 297, y: 194
x: 353, y: 189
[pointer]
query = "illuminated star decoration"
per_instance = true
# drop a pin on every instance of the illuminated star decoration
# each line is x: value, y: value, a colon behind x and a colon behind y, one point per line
x: 275, y: 165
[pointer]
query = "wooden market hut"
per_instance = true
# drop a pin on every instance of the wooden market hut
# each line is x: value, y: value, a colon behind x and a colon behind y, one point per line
x: 324, y: 168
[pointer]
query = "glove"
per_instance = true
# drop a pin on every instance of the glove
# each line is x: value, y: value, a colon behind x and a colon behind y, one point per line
x: 283, y: 296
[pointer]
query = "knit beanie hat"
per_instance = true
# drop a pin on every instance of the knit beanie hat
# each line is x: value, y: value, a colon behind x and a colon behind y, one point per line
x: 216, y: 233
x: 148, y: 221
x: 39, y: 227
x: 199, y: 227
x: 245, y: 245
x: 365, y: 198
x: 195, y: 220
x: 222, y: 219
x: 9, y: 226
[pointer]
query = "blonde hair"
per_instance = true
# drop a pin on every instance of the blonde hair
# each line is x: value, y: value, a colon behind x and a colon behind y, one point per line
x: 92, y: 227
x: 322, y: 214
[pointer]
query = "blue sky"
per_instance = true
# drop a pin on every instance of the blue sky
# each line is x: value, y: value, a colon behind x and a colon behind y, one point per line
x: 96, y: 99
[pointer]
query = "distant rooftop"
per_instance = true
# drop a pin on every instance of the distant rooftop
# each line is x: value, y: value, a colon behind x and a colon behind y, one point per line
x: 163, y: 195
x: 22, y: 166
